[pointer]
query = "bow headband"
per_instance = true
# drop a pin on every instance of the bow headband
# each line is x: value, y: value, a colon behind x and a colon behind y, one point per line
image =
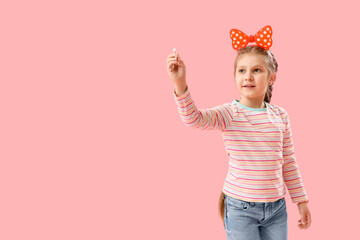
x: 262, y: 38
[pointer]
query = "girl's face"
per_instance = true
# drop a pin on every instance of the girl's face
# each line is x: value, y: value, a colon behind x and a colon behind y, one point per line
x: 252, y: 69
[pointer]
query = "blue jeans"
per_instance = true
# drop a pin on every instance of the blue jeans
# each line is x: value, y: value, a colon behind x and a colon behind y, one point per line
x: 255, y: 220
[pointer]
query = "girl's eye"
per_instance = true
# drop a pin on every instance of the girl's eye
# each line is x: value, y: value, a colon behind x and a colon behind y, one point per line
x: 241, y: 70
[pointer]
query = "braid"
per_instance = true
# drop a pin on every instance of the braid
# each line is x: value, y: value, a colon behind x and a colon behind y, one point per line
x: 270, y: 87
x: 268, y: 94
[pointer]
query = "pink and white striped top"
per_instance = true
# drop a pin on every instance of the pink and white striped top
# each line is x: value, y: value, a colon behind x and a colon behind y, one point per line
x: 259, y: 144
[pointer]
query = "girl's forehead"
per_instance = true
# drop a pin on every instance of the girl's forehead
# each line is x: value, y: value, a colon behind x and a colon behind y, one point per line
x: 251, y: 59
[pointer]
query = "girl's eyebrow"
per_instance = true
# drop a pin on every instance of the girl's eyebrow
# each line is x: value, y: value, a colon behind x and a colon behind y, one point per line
x: 253, y: 66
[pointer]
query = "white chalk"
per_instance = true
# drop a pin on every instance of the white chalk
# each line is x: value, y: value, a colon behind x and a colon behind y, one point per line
x: 174, y: 51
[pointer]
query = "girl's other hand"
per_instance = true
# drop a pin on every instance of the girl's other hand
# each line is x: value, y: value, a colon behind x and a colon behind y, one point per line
x: 176, y: 69
x: 305, y: 220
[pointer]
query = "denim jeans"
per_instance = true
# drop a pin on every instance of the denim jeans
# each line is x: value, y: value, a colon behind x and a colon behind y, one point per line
x: 255, y: 220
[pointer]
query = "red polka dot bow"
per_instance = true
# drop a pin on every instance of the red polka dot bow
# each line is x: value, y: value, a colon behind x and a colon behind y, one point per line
x: 262, y: 38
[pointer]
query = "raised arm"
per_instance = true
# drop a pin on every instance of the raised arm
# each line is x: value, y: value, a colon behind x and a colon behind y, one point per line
x: 217, y: 118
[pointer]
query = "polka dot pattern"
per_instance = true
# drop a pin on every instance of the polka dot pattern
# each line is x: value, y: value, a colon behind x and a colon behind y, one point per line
x: 262, y: 38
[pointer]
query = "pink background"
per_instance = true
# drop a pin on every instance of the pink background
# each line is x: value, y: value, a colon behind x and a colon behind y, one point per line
x: 92, y: 146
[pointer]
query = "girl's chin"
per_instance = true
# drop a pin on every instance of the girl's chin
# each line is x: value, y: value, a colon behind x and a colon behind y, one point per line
x: 251, y: 96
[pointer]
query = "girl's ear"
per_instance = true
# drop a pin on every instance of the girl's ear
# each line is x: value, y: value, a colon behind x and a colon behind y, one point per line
x: 273, y: 78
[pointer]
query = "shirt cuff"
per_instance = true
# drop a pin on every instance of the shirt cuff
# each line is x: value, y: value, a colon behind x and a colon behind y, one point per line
x: 302, y: 202
x: 182, y: 95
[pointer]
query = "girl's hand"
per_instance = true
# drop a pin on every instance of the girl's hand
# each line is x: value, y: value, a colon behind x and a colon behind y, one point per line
x: 176, y: 69
x: 305, y: 220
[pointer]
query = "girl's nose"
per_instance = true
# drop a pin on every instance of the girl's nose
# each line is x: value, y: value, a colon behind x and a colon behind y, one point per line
x: 248, y: 77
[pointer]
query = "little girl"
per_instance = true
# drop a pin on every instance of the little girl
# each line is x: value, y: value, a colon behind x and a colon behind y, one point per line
x: 258, y: 139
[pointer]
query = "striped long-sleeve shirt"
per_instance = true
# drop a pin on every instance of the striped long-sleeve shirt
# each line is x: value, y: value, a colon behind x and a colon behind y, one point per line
x: 259, y: 145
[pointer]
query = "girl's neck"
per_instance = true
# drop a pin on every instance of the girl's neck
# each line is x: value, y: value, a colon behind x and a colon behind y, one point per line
x: 253, y: 103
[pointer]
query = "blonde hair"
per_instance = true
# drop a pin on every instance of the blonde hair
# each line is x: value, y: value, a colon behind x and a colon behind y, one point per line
x: 269, y: 59
x: 273, y: 67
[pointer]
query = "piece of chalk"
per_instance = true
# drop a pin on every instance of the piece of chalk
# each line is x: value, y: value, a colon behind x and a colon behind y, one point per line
x: 174, y: 51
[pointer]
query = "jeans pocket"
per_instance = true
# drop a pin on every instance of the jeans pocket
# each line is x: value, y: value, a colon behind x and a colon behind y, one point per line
x: 280, y: 201
x: 279, y: 205
x: 236, y: 204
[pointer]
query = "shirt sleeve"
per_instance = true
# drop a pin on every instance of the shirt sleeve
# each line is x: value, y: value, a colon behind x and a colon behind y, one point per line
x: 217, y: 118
x: 290, y: 169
